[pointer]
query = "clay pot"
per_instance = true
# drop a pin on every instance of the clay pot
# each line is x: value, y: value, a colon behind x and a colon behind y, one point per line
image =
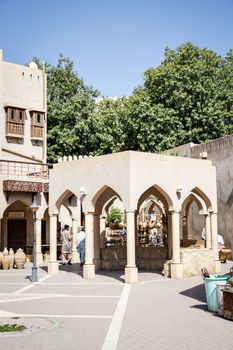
x: 20, y: 258
x: 121, y: 225
x: 11, y: 258
x: 5, y: 262
x: 5, y: 251
x: 152, y: 224
x: 158, y: 224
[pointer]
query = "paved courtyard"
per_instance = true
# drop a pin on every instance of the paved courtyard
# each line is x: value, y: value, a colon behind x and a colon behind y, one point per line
x: 65, y: 311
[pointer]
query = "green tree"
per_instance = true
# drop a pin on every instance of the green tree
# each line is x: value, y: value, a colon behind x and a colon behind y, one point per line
x: 187, y: 98
x: 225, y: 91
x: 187, y: 83
x: 70, y: 107
x: 109, y: 119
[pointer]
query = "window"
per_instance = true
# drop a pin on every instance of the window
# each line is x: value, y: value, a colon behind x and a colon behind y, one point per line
x: 15, y: 115
x: 38, y: 118
x: 15, y: 122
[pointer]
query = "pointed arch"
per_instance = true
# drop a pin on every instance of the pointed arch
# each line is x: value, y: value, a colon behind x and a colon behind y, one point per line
x: 159, y: 193
x: 151, y: 203
x: 193, y: 197
x: 203, y: 196
x: 105, y: 194
x: 62, y: 198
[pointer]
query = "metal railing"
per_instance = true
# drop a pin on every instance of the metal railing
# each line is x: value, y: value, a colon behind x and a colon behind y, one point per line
x: 17, y: 169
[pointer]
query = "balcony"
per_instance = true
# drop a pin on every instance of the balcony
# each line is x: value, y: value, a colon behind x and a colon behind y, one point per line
x: 24, y: 176
x: 14, y: 129
x: 37, y: 132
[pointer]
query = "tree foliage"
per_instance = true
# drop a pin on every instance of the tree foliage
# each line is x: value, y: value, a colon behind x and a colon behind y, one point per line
x: 187, y: 98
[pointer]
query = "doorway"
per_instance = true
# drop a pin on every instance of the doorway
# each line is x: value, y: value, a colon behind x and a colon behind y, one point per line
x: 16, y: 234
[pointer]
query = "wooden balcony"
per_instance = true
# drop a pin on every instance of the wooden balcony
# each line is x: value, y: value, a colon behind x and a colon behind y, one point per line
x: 14, y: 129
x: 37, y: 132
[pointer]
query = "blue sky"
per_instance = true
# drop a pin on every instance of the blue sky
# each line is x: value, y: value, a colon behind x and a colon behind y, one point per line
x: 111, y: 42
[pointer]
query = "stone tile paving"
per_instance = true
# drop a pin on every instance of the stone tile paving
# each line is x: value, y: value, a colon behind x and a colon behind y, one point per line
x: 160, y: 314
x: 173, y: 315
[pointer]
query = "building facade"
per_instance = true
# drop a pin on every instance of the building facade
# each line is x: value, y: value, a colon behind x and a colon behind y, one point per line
x: 23, y: 168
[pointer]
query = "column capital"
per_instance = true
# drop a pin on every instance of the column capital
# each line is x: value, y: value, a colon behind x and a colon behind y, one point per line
x: 174, y: 212
x: 130, y: 211
x: 89, y: 213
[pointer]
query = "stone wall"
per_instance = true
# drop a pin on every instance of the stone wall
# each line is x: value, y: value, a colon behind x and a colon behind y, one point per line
x: 220, y: 151
x: 147, y: 258
x: 194, y: 260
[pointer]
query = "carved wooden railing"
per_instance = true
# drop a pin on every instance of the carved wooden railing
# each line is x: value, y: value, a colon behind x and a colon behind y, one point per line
x: 14, y: 128
x: 37, y: 131
x: 16, y: 169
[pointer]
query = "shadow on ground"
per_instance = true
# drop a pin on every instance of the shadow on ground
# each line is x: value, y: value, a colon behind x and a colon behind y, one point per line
x: 197, y: 292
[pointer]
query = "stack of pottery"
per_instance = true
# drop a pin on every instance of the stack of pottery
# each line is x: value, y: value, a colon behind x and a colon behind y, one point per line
x: 20, y: 258
x: 5, y: 260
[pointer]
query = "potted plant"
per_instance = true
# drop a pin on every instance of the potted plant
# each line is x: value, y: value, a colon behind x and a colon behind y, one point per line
x: 114, y: 217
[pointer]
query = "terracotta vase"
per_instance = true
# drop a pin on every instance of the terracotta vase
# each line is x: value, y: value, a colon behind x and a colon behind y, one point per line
x: 20, y: 258
x: 11, y: 258
x: 5, y: 262
x: 5, y: 251
x: 151, y: 224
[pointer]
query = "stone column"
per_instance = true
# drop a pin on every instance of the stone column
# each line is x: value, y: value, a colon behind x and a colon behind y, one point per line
x: 169, y: 235
x: 214, y: 240
x: 131, y: 271
x: 39, y: 256
x: 102, y: 231
x: 97, y: 260
x: 89, y: 267
x: 75, y: 257
x: 53, y: 263
x: 176, y: 266
x: 185, y: 229
x: 207, y: 231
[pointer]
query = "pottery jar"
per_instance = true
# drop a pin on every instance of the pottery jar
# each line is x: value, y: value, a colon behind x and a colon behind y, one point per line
x: 11, y: 257
x: 5, y: 262
x: 20, y: 258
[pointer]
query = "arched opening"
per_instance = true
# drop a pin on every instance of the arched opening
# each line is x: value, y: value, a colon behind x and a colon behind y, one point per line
x: 17, y: 226
x: 152, y: 229
x: 193, y: 221
x: 65, y: 205
x: 109, y: 242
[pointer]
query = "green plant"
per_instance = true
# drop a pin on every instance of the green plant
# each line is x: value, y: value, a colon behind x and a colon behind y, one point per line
x: 114, y: 215
x: 11, y: 327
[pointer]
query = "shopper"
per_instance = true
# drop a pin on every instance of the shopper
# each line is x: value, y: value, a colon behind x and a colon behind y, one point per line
x: 81, y: 245
x: 66, y: 246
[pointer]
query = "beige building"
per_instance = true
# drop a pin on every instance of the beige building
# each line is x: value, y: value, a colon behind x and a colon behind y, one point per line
x: 83, y: 190
x: 23, y: 169
x: 86, y: 186
x: 220, y: 153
